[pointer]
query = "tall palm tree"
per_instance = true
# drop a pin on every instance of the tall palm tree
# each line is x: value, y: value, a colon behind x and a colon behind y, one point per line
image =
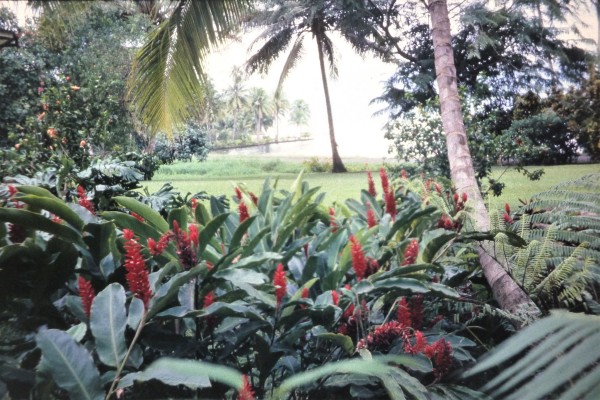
x: 286, y: 24
x: 507, y: 292
x: 300, y: 112
x: 261, y: 106
x: 236, y: 98
x: 280, y: 108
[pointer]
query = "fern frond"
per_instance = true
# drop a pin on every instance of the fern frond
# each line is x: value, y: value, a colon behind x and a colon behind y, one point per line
x: 558, y: 277
x: 555, y: 357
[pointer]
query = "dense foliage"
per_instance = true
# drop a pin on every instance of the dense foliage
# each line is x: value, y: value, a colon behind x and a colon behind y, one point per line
x: 284, y: 291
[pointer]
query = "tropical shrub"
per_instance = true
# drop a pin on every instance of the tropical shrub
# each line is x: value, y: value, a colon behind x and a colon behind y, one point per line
x: 190, y: 143
x: 280, y: 296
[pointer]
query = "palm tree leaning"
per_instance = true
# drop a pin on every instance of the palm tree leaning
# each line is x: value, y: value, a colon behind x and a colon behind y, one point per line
x: 287, y: 23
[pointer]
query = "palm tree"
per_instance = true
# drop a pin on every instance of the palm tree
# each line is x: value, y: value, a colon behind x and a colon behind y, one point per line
x: 261, y: 106
x: 287, y: 23
x: 280, y: 108
x: 236, y: 98
x: 300, y: 112
x: 507, y: 292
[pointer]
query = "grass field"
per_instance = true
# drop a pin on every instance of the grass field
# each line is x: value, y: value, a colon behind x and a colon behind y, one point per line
x: 218, y: 174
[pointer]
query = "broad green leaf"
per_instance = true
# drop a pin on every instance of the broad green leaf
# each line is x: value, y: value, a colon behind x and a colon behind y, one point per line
x: 38, y: 222
x: 209, y: 231
x: 296, y: 296
x: 344, y: 341
x: 169, y: 290
x: 78, y: 331
x: 107, y: 322
x: 102, y: 245
x: 180, y: 215
x: 238, y: 275
x: 434, y: 242
x: 136, y: 311
x: 70, y: 364
x: 410, y: 284
x: 55, y: 206
x: 239, y: 233
x: 126, y: 221
x: 257, y: 259
x: 150, y: 215
x: 190, y: 373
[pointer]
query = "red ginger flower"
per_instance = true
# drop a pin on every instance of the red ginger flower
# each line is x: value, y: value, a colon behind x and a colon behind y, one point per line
x: 464, y: 197
x: 384, y: 335
x: 390, y: 204
x: 437, y: 187
x: 411, y: 252
x: 305, y: 293
x: 440, y: 353
x: 208, y: 299
x: 194, y: 204
x: 417, y: 311
x: 335, y: 297
x: 87, y: 294
x: 12, y: 190
x: 371, y: 218
x: 238, y: 193
x: 403, y: 174
x: 137, y: 274
x: 372, y: 190
x: 246, y: 392
x: 332, y: 222
x: 507, y: 208
x: 359, y: 261
x: 187, y: 257
x: 419, y: 343
x: 83, y: 200
x: 280, y: 283
x: 254, y: 198
x: 507, y: 218
x: 403, y: 315
x: 243, y: 210
x: 194, y: 234
x: 385, y: 182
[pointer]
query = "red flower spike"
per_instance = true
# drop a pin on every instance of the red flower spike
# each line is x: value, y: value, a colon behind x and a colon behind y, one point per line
x: 371, y: 218
x: 280, y: 283
x: 243, y: 210
x: 208, y: 299
x: 305, y: 293
x: 440, y: 353
x: 137, y: 216
x: 420, y: 342
x: 238, y: 193
x: 455, y: 197
x: 464, y: 197
x: 347, y: 286
x: 332, y: 222
x: 403, y: 174
x: 417, y: 311
x: 372, y: 190
x: 335, y: 297
x: 254, y: 198
x: 209, y: 265
x: 194, y: 204
x: 390, y: 204
x: 385, y: 182
x: 87, y: 294
x: 507, y: 218
x: 83, y: 200
x: 437, y: 187
x: 411, y: 252
x: 194, y: 234
x: 12, y: 190
x: 137, y: 274
x: 403, y: 315
x: 56, y: 219
x: 187, y: 257
x: 246, y: 392
x: 384, y: 335
x: 359, y: 261
x: 507, y: 208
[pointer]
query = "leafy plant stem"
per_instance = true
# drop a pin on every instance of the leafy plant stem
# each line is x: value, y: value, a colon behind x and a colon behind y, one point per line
x: 129, y: 350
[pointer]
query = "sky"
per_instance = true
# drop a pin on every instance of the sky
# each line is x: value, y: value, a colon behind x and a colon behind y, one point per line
x: 359, y: 133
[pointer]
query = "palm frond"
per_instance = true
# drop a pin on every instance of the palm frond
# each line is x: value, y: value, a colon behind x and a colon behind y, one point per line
x: 278, y: 40
x: 329, y: 51
x: 167, y: 76
x: 292, y: 60
x: 555, y: 357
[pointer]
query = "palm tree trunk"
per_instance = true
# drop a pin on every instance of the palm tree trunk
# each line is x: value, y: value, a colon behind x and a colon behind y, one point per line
x: 507, y: 293
x: 338, y: 165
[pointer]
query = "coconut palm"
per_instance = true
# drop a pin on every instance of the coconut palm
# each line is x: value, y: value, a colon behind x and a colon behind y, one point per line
x: 280, y: 108
x: 299, y: 112
x: 261, y: 107
x: 236, y: 99
x: 287, y: 23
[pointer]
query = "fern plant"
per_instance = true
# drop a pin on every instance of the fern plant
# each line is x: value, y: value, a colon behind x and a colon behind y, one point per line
x: 560, y: 266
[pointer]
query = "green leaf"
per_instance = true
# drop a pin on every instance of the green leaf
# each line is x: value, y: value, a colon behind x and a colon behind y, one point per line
x: 190, y: 373
x: 170, y: 289
x: 70, y: 364
x: 101, y: 242
x: 344, y: 341
x: 151, y: 216
x: 38, y: 222
x: 209, y: 231
x: 107, y: 322
x: 55, y: 206
x: 257, y: 259
x: 433, y: 243
x: 136, y: 311
x: 239, y: 233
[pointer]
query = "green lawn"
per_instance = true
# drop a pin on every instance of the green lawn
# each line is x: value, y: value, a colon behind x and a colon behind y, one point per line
x: 218, y: 174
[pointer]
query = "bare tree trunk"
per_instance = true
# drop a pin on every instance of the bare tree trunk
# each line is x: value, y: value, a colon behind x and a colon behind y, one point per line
x: 338, y: 165
x: 507, y: 293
